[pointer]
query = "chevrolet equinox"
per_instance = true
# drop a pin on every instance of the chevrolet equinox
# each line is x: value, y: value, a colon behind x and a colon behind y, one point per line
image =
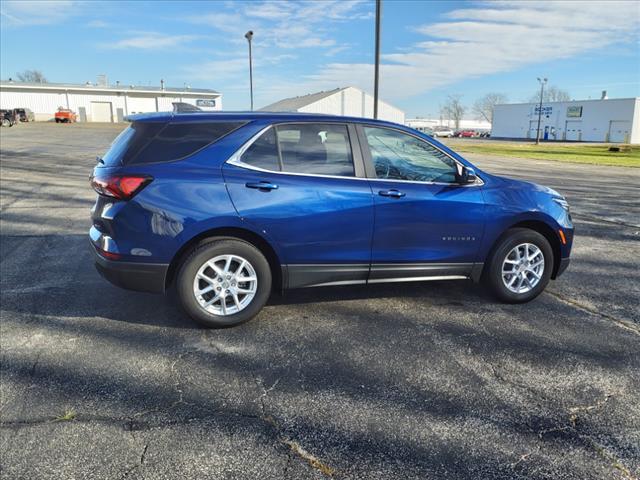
x: 226, y: 207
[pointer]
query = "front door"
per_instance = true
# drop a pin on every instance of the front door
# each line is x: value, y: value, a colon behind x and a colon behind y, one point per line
x: 426, y: 224
x: 300, y: 186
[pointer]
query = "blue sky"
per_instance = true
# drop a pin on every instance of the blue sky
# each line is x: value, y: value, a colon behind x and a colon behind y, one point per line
x: 429, y: 49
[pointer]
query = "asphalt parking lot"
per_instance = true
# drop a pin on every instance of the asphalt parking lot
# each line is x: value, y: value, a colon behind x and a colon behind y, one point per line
x: 426, y: 381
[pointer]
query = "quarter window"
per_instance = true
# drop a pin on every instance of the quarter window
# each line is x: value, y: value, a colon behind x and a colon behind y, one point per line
x: 180, y: 140
x: 150, y: 142
x: 263, y: 153
x: 399, y: 156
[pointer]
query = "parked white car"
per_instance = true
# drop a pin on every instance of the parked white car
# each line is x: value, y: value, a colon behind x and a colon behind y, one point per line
x: 442, y: 132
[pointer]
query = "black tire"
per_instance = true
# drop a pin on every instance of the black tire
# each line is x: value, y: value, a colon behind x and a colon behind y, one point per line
x: 493, y: 271
x: 207, y: 251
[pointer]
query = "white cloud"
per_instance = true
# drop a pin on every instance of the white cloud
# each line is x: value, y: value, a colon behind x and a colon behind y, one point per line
x: 151, y: 41
x: 336, y: 50
x: 232, y: 23
x: 494, y: 37
x: 232, y: 68
x: 29, y: 12
x: 98, y: 24
x: 270, y: 10
x: 483, y: 38
x: 286, y: 25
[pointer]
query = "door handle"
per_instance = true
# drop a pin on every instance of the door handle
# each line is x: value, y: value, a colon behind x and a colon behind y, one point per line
x: 265, y: 186
x: 391, y: 193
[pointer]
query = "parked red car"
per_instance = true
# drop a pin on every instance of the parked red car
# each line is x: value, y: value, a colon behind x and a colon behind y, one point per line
x: 65, y: 115
x: 467, y: 133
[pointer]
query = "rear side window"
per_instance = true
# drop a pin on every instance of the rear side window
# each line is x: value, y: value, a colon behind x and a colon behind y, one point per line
x: 320, y: 149
x: 148, y: 142
x: 311, y: 148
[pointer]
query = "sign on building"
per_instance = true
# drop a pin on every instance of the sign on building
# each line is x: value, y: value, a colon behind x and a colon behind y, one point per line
x: 202, y: 102
x: 546, y: 110
x: 574, y: 111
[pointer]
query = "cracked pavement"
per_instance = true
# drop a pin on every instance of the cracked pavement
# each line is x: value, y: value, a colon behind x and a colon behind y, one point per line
x: 424, y: 380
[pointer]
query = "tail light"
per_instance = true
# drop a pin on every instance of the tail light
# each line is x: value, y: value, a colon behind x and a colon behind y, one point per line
x: 122, y: 187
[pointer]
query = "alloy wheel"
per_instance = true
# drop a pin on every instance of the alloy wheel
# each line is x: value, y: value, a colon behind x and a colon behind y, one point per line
x: 522, y: 268
x: 225, y: 285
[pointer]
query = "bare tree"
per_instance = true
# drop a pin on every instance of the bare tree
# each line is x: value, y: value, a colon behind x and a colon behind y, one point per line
x: 551, y: 94
x: 483, y: 107
x: 33, y: 76
x: 454, y: 110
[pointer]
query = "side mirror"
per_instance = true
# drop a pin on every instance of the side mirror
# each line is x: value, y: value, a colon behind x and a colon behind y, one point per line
x: 467, y: 176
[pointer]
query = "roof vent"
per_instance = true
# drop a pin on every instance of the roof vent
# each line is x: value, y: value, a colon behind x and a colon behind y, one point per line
x: 604, y: 95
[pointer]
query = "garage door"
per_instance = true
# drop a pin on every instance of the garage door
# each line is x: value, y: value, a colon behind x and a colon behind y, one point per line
x: 619, y: 131
x: 573, y: 130
x: 101, y: 112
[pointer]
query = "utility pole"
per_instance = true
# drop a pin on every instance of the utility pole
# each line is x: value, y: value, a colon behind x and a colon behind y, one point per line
x: 377, y: 67
x: 542, y: 83
x: 249, y: 36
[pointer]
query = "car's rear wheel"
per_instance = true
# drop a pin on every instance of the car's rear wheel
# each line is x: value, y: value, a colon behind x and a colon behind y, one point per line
x: 224, y: 283
x: 520, y: 267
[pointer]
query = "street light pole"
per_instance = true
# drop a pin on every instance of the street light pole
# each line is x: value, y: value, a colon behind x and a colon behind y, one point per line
x: 542, y: 82
x: 377, y: 65
x: 249, y: 36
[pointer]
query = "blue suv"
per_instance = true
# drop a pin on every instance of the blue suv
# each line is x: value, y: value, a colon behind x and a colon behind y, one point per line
x: 227, y: 207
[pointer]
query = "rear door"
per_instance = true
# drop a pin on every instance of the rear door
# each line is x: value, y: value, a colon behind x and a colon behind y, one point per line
x: 303, y: 185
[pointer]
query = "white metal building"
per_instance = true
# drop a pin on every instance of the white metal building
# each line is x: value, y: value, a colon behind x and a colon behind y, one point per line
x: 348, y: 101
x: 100, y: 103
x: 606, y: 120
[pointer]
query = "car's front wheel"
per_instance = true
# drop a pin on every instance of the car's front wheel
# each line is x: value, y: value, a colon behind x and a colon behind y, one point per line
x: 224, y: 283
x: 520, y: 267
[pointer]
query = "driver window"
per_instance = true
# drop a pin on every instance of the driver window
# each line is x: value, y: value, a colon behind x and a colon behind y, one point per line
x: 399, y: 156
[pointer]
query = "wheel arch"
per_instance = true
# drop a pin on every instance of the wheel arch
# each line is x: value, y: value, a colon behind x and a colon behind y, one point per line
x: 543, y: 229
x: 230, y: 232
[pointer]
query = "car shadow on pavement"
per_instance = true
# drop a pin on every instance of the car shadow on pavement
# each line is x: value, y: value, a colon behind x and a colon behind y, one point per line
x: 40, y: 277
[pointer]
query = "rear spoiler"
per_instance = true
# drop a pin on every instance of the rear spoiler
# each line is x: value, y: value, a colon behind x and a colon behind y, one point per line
x: 181, y: 107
